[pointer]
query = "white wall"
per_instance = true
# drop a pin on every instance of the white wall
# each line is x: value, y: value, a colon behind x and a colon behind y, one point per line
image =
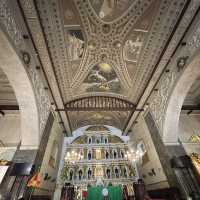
x: 140, y: 132
x: 10, y: 129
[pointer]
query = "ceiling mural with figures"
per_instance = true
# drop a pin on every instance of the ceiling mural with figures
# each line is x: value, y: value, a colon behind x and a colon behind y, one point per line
x: 112, y: 118
x: 105, y: 47
x: 102, y: 78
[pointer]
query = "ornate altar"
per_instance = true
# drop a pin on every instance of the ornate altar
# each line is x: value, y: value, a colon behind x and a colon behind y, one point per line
x: 98, y: 154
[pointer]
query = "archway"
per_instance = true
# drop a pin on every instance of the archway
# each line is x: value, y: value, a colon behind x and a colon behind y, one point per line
x: 190, y: 74
x: 18, y: 77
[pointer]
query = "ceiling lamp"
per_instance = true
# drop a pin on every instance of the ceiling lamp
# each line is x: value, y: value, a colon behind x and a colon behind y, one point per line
x: 133, y: 155
x: 73, y: 157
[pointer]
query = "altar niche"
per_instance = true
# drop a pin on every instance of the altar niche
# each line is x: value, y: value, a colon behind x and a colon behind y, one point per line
x: 98, y: 154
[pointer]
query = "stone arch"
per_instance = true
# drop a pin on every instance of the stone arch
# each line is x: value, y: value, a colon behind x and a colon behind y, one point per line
x: 24, y: 92
x: 188, y: 77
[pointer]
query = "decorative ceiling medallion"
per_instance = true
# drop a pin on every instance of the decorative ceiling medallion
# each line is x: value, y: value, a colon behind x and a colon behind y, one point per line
x: 106, y: 28
x: 102, y: 78
x: 117, y: 44
x: 92, y: 45
x: 26, y: 57
x: 181, y: 62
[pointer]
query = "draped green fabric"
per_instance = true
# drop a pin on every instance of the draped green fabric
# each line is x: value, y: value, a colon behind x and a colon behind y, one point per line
x: 95, y: 193
x: 114, y: 193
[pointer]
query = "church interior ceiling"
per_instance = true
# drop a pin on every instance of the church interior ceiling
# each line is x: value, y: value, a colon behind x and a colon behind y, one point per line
x: 105, y: 47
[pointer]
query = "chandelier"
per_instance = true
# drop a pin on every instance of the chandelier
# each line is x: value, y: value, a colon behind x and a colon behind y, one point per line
x: 133, y: 155
x: 73, y: 157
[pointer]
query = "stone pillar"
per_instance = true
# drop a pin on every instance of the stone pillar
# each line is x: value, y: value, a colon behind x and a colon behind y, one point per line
x: 161, y: 150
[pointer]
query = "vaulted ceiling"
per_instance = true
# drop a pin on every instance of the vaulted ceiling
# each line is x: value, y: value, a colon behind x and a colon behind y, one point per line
x: 101, y: 47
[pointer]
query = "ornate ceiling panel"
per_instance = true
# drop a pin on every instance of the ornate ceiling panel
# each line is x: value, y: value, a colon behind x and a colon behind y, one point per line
x: 85, y: 36
x: 106, y: 47
x: 110, y: 10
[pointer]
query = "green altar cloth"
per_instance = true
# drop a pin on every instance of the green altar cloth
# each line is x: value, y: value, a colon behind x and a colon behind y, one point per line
x: 114, y: 193
x: 95, y: 193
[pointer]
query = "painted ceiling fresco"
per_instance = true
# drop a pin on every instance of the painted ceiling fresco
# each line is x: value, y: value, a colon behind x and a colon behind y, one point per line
x: 111, y: 118
x: 106, y: 47
x: 133, y: 46
x: 109, y: 10
x: 74, y: 37
x: 102, y: 78
x: 91, y: 44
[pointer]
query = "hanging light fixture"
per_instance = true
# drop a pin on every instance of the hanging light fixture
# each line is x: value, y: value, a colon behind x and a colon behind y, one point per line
x: 73, y: 157
x: 133, y: 155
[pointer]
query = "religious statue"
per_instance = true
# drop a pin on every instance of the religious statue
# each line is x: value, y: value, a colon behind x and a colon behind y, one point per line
x: 107, y: 155
x: 99, y: 182
x: 108, y: 173
x: 71, y: 175
x: 80, y: 173
x: 89, y: 155
x: 115, y: 155
x: 116, y: 173
x: 125, y: 173
x: 89, y: 173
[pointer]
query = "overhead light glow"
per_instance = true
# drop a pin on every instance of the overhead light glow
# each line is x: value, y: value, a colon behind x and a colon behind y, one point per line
x: 105, y: 67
